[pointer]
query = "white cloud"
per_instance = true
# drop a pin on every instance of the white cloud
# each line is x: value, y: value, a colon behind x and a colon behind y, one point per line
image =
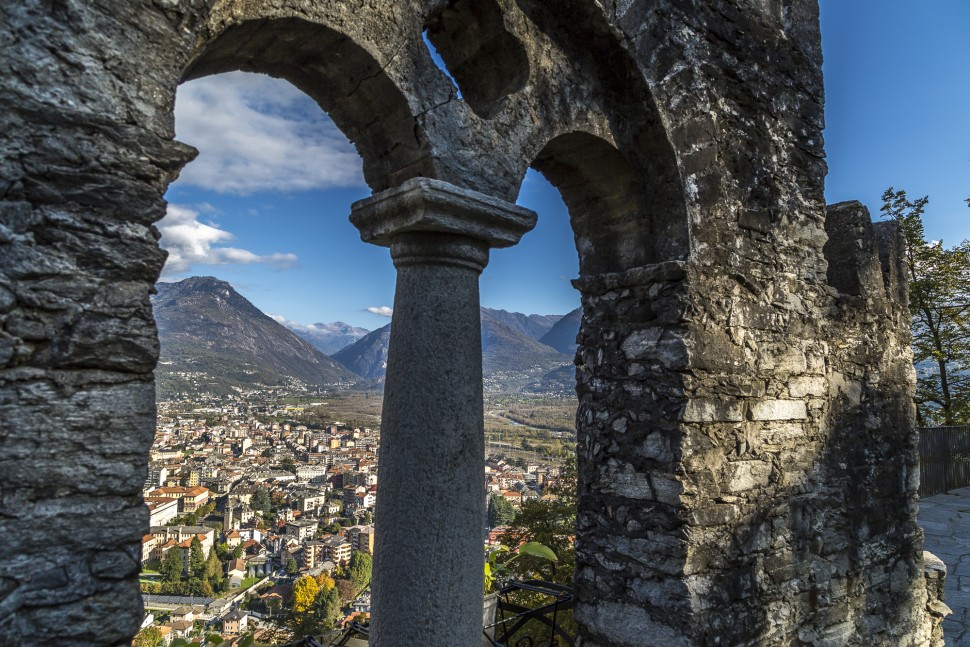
x: 383, y: 311
x: 190, y: 242
x: 295, y: 325
x: 256, y: 133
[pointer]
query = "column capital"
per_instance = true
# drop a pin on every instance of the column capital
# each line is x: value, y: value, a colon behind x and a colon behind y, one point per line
x: 432, y: 206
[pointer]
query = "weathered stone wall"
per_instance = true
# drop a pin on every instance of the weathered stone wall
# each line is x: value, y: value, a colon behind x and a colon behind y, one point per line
x: 745, y: 427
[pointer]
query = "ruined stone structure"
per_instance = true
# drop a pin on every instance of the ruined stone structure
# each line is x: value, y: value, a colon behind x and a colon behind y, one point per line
x: 746, y: 443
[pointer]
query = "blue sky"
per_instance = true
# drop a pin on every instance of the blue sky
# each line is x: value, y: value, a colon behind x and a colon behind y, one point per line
x: 265, y: 205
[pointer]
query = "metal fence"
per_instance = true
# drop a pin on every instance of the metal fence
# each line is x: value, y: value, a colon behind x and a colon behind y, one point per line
x: 944, y: 459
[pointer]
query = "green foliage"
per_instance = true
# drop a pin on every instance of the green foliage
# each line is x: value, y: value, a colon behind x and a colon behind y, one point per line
x: 171, y: 567
x: 288, y: 465
x: 500, y: 511
x: 552, y: 523
x: 213, y: 567
x: 148, y: 637
x: 939, y: 301
x: 359, y: 570
x: 499, y: 560
x: 261, y: 501
x: 328, y: 606
x: 197, y: 565
x: 292, y: 568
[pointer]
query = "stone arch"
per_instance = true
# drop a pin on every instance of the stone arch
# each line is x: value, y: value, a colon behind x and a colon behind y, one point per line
x: 348, y: 83
x: 632, y: 239
x: 618, y: 222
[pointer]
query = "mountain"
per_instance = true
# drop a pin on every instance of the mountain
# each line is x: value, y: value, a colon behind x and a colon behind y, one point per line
x: 212, y: 338
x: 510, y: 358
x: 367, y: 357
x: 560, y: 381
x: 506, y: 348
x: 328, y: 338
x: 562, y: 336
x: 534, y: 326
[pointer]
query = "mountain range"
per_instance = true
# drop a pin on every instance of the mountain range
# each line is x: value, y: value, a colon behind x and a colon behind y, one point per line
x: 511, y: 350
x: 328, y: 338
x: 213, y: 339
x: 210, y: 332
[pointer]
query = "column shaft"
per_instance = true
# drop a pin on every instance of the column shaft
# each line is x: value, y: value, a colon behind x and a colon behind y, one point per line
x: 428, y: 576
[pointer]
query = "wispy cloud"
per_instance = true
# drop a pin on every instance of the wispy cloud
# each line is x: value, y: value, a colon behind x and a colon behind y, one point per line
x: 190, y: 242
x: 383, y: 311
x: 295, y: 325
x: 256, y: 133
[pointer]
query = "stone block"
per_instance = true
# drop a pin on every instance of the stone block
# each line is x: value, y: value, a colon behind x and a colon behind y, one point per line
x: 741, y: 476
x: 799, y: 387
x: 713, y: 410
x: 778, y: 410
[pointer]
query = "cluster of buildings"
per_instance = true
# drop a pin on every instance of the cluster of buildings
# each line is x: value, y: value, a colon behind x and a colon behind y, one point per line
x: 280, y: 497
x: 284, y: 499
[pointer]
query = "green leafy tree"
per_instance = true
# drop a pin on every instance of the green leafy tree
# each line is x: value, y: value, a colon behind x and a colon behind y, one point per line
x: 288, y: 465
x: 939, y: 301
x: 359, y: 570
x: 213, y: 567
x: 237, y: 551
x: 171, y: 568
x: 500, y: 511
x: 197, y: 566
x: 292, y: 568
x: 328, y: 606
x: 261, y: 501
x: 223, y: 552
x: 148, y: 637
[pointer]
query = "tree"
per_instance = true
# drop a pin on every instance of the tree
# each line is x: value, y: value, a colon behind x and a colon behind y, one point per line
x: 213, y: 567
x: 304, y: 592
x: 292, y: 568
x: 939, y: 301
x: 288, y: 465
x: 197, y: 567
x: 261, y: 501
x: 500, y: 511
x: 328, y: 606
x: 359, y: 570
x: 148, y: 637
x: 171, y: 568
x: 345, y: 588
x: 325, y: 581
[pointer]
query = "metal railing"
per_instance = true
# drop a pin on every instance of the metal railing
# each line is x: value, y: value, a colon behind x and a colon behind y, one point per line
x: 514, y: 625
x: 944, y: 459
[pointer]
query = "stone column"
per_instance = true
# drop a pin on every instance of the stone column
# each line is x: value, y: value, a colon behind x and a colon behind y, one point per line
x: 428, y: 555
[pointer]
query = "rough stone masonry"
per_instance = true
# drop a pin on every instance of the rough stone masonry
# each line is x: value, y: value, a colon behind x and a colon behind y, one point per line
x: 746, y: 442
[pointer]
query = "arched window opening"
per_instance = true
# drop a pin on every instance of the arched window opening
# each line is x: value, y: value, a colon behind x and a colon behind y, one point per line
x: 341, y: 76
x: 245, y: 353
x: 617, y: 223
x: 484, y: 59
